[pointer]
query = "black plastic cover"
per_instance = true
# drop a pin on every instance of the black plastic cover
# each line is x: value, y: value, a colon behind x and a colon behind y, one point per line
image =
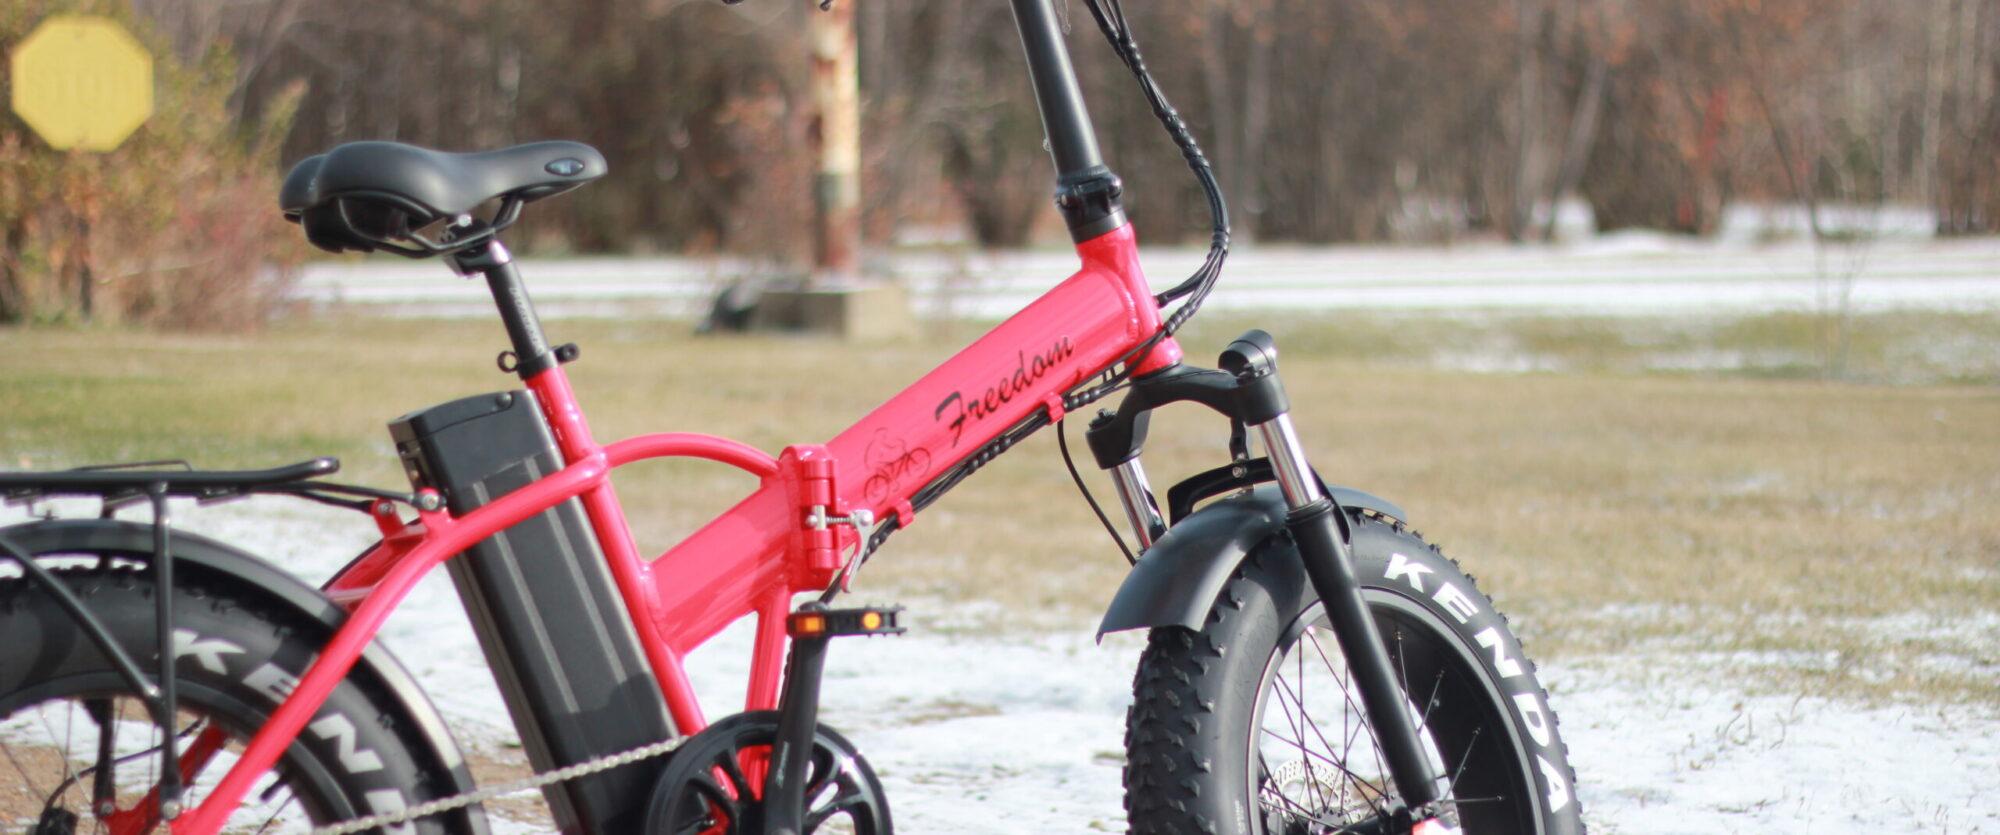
x: 544, y: 606
x: 1177, y: 579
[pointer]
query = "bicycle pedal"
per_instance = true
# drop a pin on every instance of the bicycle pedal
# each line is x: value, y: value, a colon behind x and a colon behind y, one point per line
x: 832, y: 623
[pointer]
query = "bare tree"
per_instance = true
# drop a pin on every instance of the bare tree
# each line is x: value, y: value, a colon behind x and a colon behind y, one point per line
x: 1351, y: 120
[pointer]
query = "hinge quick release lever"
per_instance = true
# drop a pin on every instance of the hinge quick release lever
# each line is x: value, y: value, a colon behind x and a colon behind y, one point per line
x: 861, y: 520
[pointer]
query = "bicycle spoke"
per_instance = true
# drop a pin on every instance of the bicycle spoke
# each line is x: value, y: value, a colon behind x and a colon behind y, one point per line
x: 1314, y: 792
x: 1402, y: 676
x: 1300, y: 812
x: 1308, y: 756
x: 1347, y: 693
x: 1299, y: 696
x: 276, y: 813
x: 69, y: 775
x: 1466, y: 758
x: 1335, y: 764
x: 1287, y: 804
x: 21, y: 769
x: 1352, y: 709
x: 1298, y: 721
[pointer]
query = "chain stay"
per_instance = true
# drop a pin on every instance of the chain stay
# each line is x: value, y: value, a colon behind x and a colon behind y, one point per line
x: 447, y: 804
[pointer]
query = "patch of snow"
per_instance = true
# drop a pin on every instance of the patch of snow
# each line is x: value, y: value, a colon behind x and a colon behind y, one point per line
x: 1666, y: 757
x: 1624, y: 273
x: 1633, y: 242
x: 1751, y: 223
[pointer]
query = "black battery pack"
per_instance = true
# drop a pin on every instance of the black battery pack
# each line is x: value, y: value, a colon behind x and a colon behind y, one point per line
x: 542, y: 601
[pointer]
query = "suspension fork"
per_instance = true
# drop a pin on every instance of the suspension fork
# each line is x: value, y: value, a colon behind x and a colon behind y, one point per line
x: 1247, y: 389
x: 1314, y: 524
x: 1142, y: 512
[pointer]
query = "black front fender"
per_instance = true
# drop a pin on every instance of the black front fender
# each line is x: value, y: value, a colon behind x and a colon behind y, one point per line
x: 196, y: 553
x: 1177, y: 579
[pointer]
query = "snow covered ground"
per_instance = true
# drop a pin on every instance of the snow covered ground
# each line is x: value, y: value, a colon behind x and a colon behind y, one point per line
x: 981, y: 732
x: 1625, y: 273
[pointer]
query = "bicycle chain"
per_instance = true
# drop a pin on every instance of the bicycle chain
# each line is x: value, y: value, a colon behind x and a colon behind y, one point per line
x: 535, y: 781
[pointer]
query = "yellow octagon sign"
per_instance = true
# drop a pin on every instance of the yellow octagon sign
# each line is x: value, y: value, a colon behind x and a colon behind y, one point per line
x: 82, y: 81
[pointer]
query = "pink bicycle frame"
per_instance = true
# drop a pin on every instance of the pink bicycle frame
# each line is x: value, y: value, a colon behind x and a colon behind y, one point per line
x: 760, y: 553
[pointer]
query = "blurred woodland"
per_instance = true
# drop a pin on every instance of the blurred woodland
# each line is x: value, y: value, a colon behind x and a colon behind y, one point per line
x: 1327, y: 120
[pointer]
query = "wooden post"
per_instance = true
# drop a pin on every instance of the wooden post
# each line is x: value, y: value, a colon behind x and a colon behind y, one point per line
x: 835, y: 301
x: 837, y: 185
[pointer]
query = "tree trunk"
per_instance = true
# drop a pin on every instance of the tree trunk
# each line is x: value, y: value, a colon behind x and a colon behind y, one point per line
x: 1937, y: 41
x: 1527, y: 183
x: 1576, y: 146
x: 1249, y: 198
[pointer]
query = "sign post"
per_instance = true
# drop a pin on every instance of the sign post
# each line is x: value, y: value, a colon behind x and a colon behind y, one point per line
x: 82, y: 82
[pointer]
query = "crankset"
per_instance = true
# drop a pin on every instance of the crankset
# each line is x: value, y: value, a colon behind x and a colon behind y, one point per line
x: 714, y: 785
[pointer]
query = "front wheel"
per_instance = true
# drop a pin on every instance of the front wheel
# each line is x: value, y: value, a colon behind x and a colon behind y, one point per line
x: 1252, y: 724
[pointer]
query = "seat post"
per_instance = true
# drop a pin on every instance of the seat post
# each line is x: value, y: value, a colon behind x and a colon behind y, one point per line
x: 510, y: 295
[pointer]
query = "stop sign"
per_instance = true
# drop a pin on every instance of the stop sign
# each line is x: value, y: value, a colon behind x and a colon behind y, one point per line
x: 82, y: 81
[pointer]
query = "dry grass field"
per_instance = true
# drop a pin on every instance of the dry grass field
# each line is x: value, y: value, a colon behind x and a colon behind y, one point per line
x: 1836, y: 538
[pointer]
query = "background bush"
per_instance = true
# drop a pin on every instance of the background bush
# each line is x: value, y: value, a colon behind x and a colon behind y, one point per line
x: 176, y: 228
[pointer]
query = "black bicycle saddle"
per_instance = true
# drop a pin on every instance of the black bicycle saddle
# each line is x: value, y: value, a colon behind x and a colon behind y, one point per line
x: 366, y: 194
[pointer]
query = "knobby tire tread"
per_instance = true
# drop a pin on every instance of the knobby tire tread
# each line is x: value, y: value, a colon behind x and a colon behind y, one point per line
x: 230, y: 609
x: 1175, y: 699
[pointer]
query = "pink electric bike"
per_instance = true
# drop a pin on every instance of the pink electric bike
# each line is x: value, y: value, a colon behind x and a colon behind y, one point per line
x: 1313, y: 666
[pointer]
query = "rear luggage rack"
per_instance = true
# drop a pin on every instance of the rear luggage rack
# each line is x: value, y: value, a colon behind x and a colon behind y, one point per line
x: 155, y: 482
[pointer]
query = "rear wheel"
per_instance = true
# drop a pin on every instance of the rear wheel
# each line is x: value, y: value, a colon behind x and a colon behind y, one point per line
x: 1252, y: 724
x: 70, y: 726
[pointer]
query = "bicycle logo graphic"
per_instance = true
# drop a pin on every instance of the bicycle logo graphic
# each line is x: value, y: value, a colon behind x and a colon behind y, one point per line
x: 891, y: 461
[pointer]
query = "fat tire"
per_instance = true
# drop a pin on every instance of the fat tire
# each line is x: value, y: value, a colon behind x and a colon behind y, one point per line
x: 356, y: 757
x: 1189, y: 734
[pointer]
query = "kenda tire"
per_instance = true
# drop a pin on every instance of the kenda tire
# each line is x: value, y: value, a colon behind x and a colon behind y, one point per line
x: 1195, y: 766
x: 237, y: 653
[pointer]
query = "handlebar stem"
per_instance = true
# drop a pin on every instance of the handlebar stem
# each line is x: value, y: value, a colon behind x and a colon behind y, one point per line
x: 1086, y: 190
